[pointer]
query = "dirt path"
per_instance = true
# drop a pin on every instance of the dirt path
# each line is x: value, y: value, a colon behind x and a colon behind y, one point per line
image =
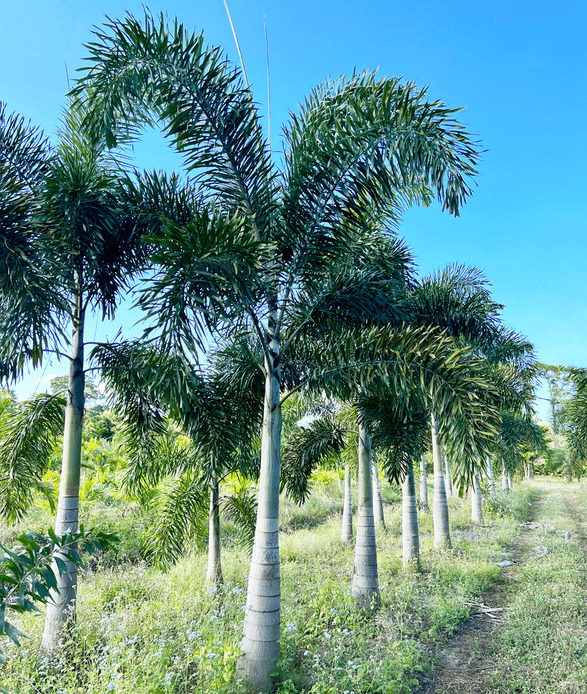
x: 465, y: 666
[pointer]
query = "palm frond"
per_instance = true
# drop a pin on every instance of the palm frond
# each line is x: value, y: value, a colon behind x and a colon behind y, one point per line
x: 399, y: 433
x: 306, y: 448
x: 240, y: 508
x: 209, y: 276
x: 182, y: 515
x: 367, y: 144
x: 26, y: 443
x: 141, y: 72
x: 417, y: 365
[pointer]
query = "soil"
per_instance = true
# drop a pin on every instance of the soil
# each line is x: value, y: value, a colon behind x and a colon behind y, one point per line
x: 465, y: 663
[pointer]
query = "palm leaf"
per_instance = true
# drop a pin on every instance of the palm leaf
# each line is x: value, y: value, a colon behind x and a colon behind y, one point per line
x: 26, y: 443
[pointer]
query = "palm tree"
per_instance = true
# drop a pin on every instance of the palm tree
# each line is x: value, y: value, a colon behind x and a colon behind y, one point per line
x: 359, y: 149
x: 79, y: 238
x: 215, y: 417
x: 377, y: 499
x: 476, y: 500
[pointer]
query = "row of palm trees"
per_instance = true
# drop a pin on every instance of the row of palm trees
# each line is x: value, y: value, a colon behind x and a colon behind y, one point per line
x: 289, y: 278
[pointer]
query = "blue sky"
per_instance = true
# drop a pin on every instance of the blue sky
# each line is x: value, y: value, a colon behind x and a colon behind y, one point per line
x: 519, y: 68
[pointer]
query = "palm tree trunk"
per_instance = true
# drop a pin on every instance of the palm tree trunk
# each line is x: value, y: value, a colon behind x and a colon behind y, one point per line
x: 510, y: 485
x: 491, y: 479
x: 410, y: 535
x: 214, y: 574
x: 260, y: 644
x: 439, y: 502
x: 504, y: 479
x: 423, y: 483
x: 447, y: 476
x: 365, y: 580
x: 338, y: 477
x: 377, y: 499
x: 347, y: 509
x: 476, y: 500
x: 61, y: 608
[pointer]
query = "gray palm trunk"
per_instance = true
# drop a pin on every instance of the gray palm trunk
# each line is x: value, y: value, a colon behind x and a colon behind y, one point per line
x: 410, y: 535
x: 61, y: 607
x: 260, y: 644
x: 423, y: 483
x: 377, y: 499
x: 439, y: 502
x: 365, y: 588
x: 491, y: 479
x: 509, y: 479
x: 347, y: 509
x: 214, y: 573
x: 447, y: 476
x: 476, y: 500
x: 504, y: 479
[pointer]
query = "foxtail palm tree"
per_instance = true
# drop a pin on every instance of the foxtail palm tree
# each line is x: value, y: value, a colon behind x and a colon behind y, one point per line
x: 377, y: 498
x: 358, y: 149
x: 410, y: 534
x: 79, y: 229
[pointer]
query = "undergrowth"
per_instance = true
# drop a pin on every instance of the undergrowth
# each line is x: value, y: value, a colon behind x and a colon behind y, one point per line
x: 142, y: 631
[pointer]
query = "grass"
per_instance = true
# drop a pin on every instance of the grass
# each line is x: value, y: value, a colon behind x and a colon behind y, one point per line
x: 142, y: 631
x: 542, y: 646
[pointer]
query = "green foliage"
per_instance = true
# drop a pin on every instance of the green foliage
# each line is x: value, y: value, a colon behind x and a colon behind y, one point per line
x: 141, y: 630
x: 28, y: 571
x: 240, y: 507
x: 27, y: 439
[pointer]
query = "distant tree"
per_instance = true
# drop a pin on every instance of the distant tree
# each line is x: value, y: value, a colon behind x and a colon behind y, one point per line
x: 60, y: 384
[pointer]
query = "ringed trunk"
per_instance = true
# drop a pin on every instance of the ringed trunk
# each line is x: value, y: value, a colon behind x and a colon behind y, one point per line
x: 347, y: 509
x: 410, y: 535
x: 260, y: 644
x: 476, y: 500
x: 214, y: 574
x: 423, y: 483
x: 365, y: 580
x: 439, y: 502
x: 61, y: 606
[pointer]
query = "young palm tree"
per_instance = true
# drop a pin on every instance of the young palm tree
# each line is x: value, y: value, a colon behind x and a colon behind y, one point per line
x: 216, y: 417
x: 359, y: 149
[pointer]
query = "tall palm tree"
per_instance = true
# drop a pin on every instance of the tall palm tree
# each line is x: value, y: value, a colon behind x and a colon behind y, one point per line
x: 359, y: 149
x: 458, y: 300
x: 79, y: 238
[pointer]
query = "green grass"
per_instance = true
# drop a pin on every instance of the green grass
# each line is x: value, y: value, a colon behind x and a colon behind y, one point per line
x: 542, y: 646
x: 141, y: 631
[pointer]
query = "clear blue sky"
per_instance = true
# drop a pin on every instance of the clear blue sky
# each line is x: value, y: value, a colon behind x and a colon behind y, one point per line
x: 519, y: 68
